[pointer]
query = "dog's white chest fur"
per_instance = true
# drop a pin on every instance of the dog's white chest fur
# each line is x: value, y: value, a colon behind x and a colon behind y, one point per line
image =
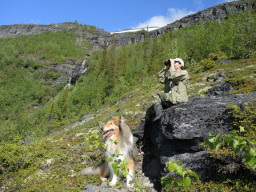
x: 113, y: 149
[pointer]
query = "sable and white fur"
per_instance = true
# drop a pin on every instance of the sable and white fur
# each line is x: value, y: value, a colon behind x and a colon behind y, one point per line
x: 116, y: 129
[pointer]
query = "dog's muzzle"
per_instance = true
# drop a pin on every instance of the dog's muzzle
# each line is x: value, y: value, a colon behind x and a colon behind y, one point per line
x: 108, y: 133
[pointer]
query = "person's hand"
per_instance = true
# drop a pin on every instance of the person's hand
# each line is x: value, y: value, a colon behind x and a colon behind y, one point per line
x: 172, y: 62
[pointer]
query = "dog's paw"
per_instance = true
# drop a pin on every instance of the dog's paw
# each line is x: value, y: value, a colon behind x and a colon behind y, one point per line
x: 112, y: 183
x: 130, y: 180
x: 103, y: 179
x: 129, y: 186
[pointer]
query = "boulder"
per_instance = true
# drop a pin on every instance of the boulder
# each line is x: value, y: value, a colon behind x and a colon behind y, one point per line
x: 220, y: 76
x: 183, y: 127
x: 221, y: 88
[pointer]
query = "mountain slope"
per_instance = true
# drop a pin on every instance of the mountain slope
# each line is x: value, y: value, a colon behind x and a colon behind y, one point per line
x: 97, y: 37
x: 44, y: 127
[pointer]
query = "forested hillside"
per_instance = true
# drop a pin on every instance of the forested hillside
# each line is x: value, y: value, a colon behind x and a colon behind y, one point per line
x: 33, y: 112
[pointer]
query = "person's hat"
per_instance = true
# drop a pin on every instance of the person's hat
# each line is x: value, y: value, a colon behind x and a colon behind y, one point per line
x: 180, y: 61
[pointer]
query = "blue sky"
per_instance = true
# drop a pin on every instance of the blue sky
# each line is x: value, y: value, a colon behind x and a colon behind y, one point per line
x: 110, y: 15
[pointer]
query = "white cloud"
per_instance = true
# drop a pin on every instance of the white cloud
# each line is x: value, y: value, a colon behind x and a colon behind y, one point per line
x: 224, y: 1
x: 176, y: 14
x: 199, y: 4
x: 35, y: 21
x: 160, y: 21
x: 156, y: 21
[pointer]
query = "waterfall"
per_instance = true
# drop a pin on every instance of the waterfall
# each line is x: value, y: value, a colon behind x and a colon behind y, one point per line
x: 83, y: 67
x: 77, y: 73
x: 69, y: 83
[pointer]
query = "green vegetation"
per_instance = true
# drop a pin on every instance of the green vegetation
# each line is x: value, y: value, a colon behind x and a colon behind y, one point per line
x: 236, y: 150
x: 51, y: 164
x: 180, y: 178
x: 125, y: 75
x: 238, y: 143
x: 89, y: 28
x: 22, y: 84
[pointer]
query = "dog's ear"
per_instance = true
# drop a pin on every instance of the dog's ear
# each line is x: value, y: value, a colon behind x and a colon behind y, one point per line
x: 122, y: 121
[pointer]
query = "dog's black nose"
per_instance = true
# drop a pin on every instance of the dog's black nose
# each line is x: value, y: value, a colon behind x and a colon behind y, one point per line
x: 101, y: 128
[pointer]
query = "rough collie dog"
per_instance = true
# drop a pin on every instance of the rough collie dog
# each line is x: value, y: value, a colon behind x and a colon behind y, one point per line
x: 117, y: 136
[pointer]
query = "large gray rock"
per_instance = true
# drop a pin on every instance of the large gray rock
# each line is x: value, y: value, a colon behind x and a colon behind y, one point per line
x: 182, y: 129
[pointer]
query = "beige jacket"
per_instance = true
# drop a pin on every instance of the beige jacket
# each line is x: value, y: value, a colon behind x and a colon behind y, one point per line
x: 176, y: 82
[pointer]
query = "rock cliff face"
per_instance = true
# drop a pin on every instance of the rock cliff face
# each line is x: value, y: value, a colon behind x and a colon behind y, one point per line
x: 216, y: 13
x: 182, y: 129
x: 97, y: 37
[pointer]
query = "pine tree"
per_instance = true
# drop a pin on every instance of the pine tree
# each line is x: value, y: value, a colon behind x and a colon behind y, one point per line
x: 112, y: 66
x: 121, y: 65
x: 63, y: 104
x: 103, y: 60
x: 146, y: 47
x: 50, y: 119
x: 153, y: 58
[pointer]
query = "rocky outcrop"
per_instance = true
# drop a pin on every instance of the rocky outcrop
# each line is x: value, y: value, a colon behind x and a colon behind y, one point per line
x: 70, y: 70
x: 216, y: 13
x: 182, y: 129
x: 29, y: 29
x: 97, y: 37
x: 221, y: 88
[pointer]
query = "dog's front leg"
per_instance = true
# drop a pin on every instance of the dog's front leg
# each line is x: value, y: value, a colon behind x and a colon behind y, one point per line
x: 113, y: 181
x: 129, y: 178
x: 131, y: 172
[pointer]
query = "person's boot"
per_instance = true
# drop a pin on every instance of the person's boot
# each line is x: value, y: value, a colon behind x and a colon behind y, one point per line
x: 139, y: 133
x: 158, y: 109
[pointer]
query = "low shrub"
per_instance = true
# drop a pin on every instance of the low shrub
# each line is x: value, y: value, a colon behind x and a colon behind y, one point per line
x: 205, y: 65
